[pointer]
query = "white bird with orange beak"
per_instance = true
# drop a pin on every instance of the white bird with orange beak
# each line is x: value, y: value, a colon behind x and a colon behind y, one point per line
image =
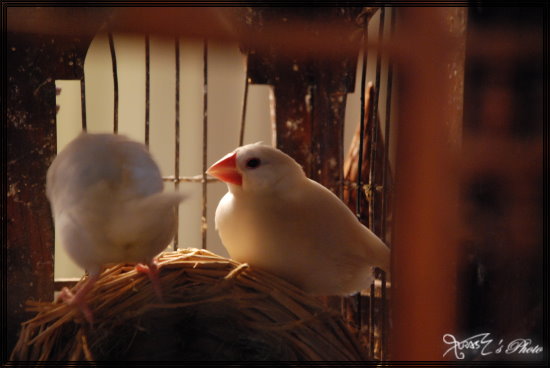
x: 273, y: 217
x: 108, y: 206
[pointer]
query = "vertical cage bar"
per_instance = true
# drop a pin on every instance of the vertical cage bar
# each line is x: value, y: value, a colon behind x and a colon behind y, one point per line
x: 204, y: 142
x: 147, y: 88
x: 245, y: 103
x: 115, y: 81
x: 386, y: 161
x: 362, y: 125
x: 358, y: 210
x: 177, y: 138
x: 383, y: 328
x: 358, y: 297
x: 375, y: 127
x: 386, y: 164
x: 374, y: 214
x: 83, y: 104
x: 426, y: 216
x: 371, y: 319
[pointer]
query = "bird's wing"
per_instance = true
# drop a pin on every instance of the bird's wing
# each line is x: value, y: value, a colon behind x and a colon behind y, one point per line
x: 338, y: 226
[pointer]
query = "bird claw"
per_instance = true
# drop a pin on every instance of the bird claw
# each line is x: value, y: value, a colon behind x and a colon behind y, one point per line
x: 141, y: 268
x: 76, y: 300
x: 152, y: 270
x: 65, y: 295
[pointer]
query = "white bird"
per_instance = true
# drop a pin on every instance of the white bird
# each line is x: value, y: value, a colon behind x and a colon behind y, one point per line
x: 275, y: 218
x: 108, y: 207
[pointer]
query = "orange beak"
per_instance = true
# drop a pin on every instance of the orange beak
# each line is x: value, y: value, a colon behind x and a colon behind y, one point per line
x: 225, y: 169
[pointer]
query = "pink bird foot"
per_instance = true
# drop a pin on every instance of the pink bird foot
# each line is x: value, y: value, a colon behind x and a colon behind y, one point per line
x: 152, y: 271
x: 79, y: 299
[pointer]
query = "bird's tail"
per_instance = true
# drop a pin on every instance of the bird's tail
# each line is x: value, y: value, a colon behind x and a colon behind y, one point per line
x: 380, y: 256
x: 384, y: 262
x: 160, y: 201
x: 144, y: 217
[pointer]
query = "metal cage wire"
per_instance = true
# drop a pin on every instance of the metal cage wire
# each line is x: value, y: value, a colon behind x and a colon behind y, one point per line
x: 373, y: 305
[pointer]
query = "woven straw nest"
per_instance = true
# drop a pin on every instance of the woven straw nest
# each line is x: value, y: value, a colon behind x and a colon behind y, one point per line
x: 214, y: 309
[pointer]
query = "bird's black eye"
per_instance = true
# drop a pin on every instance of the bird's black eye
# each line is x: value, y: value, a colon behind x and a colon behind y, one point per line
x: 253, y: 163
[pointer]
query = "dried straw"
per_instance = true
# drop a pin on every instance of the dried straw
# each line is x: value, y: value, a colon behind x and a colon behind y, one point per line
x: 214, y: 309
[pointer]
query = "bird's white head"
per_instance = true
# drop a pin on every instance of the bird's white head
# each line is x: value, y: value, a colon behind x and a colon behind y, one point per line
x: 257, y: 168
